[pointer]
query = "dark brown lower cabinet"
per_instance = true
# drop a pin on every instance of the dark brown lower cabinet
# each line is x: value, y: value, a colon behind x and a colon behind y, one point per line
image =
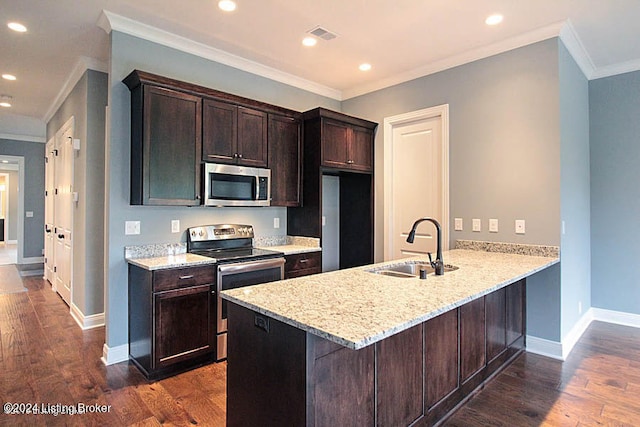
x: 279, y: 373
x: 303, y: 264
x: 171, y: 319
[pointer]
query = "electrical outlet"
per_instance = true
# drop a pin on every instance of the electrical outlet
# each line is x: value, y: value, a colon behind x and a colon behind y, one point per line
x: 493, y: 225
x: 276, y: 222
x: 458, y: 226
x: 131, y: 227
x: 520, y: 226
x: 476, y: 224
x: 175, y: 225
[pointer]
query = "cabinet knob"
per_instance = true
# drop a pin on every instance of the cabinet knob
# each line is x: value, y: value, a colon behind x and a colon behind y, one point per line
x: 239, y: 156
x: 350, y: 162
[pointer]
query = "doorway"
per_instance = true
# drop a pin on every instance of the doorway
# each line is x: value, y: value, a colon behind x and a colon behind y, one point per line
x: 416, y: 180
x: 11, y: 209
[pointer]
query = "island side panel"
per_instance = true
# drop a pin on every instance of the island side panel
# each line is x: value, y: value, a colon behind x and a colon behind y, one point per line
x: 400, y: 378
x: 341, y: 385
x: 266, y: 370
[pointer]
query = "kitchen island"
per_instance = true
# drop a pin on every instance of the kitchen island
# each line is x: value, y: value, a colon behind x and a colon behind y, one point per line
x: 353, y: 347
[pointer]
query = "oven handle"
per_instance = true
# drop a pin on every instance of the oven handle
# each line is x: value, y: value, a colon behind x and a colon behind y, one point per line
x: 233, y: 267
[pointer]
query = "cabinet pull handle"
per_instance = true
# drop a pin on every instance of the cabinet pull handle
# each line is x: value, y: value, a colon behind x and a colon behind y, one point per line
x: 190, y: 276
x: 304, y: 260
x: 60, y: 236
x: 350, y: 162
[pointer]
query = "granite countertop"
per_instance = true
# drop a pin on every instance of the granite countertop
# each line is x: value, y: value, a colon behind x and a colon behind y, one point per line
x: 171, y: 261
x: 356, y: 308
x: 292, y: 249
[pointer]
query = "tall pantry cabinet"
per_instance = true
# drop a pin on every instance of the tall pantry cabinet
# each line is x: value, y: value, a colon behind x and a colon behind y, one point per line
x: 340, y: 145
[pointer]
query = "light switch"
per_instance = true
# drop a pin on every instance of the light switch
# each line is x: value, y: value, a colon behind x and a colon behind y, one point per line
x: 520, y: 226
x: 131, y: 227
x: 476, y: 224
x: 276, y: 222
x: 175, y: 225
x: 29, y: 214
x: 493, y: 225
x: 457, y: 224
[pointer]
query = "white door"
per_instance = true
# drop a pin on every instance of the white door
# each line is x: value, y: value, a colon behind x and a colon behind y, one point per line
x: 63, y: 200
x: 417, y: 171
x: 49, y: 189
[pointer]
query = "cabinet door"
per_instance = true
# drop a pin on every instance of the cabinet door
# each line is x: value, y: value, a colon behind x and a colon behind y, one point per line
x: 184, y: 326
x: 361, y: 149
x: 171, y: 147
x: 284, y: 160
x: 472, y: 338
x: 335, y: 137
x: 252, y: 137
x: 219, y: 131
x: 515, y: 312
x: 496, y: 323
x: 441, y: 357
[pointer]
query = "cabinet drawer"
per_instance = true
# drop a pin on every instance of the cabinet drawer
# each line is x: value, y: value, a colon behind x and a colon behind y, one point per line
x: 301, y: 261
x: 174, y: 278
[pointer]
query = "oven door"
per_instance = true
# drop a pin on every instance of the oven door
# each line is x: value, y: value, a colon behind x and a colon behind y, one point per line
x: 237, y: 275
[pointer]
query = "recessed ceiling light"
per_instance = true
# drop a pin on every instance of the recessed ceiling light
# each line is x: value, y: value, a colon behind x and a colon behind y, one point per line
x: 16, y: 26
x: 365, y: 67
x: 227, y: 5
x: 309, y: 41
x: 5, y: 101
x: 8, y: 77
x: 494, y: 19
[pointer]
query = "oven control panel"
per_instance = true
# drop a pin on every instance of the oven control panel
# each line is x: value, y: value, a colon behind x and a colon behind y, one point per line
x: 220, y: 232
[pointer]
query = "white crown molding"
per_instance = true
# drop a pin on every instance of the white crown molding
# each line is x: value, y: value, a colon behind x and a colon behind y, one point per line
x: 535, y: 36
x: 109, y: 21
x: 82, y: 65
x: 615, y: 69
x: 26, y: 138
x: 577, y: 50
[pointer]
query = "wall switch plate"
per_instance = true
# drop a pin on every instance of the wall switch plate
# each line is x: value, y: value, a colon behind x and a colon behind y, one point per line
x: 520, y: 226
x: 457, y: 224
x: 175, y: 225
x: 476, y: 224
x: 276, y: 222
x: 131, y: 227
x: 493, y: 225
x: 324, y: 220
x: 29, y: 214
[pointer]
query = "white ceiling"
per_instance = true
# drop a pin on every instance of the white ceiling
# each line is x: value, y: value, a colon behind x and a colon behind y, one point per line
x: 402, y: 39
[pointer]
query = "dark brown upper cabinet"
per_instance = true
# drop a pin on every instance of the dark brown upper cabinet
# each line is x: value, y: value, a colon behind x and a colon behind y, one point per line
x: 234, y: 134
x: 285, y: 152
x: 165, y: 145
x: 346, y: 146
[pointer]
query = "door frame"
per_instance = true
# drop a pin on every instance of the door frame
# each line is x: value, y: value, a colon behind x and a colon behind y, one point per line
x: 441, y: 111
x: 20, y: 234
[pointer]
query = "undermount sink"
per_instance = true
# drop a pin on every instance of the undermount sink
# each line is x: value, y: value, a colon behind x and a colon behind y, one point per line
x: 409, y: 269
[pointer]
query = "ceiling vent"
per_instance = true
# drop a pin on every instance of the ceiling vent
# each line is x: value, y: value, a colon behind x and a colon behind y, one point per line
x: 322, y: 33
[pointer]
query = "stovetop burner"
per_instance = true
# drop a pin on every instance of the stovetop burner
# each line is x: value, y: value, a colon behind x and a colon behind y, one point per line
x: 226, y: 243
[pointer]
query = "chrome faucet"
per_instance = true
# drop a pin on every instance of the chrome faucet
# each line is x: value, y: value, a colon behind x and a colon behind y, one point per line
x: 438, y: 264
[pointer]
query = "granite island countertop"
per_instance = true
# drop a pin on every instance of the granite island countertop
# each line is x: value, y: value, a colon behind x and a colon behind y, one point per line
x: 356, y: 308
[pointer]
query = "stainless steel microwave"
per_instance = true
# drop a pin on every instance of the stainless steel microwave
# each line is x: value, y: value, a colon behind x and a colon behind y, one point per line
x: 230, y: 185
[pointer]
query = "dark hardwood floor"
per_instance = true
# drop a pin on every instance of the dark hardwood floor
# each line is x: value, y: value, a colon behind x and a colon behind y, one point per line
x: 46, y: 359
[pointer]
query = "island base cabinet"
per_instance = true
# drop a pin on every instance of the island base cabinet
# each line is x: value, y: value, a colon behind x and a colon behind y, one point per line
x: 279, y: 375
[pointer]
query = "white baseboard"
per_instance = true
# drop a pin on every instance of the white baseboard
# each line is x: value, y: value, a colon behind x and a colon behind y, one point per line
x: 32, y: 260
x: 617, y: 317
x: 544, y: 347
x: 113, y: 355
x: 561, y: 350
x: 86, y: 322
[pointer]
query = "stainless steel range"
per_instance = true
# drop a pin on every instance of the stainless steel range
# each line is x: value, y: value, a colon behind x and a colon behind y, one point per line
x: 238, y: 264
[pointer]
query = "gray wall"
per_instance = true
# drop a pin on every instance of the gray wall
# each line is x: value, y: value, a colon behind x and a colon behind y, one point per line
x: 86, y: 103
x: 129, y: 53
x: 33, y: 153
x: 504, y: 154
x: 575, y: 192
x: 614, y: 108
